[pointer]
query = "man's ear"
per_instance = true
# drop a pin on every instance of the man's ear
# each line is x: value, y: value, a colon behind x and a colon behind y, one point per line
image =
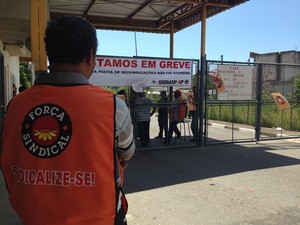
x: 89, y: 62
x: 91, y: 57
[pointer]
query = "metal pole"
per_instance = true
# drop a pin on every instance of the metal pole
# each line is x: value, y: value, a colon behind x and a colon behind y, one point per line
x: 291, y: 108
x: 259, y: 102
x: 203, y: 103
x: 135, y: 42
x: 203, y: 30
x: 203, y: 72
x: 171, y: 54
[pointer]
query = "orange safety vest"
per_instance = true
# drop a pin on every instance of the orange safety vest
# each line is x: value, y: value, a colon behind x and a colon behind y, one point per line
x: 181, y: 110
x: 58, y: 167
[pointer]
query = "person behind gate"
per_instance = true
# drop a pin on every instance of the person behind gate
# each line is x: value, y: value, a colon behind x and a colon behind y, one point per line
x: 162, y: 115
x: 143, y: 116
x: 65, y: 142
x: 177, y: 114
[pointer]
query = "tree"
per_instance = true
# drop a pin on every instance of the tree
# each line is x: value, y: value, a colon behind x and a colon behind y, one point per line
x: 25, y: 74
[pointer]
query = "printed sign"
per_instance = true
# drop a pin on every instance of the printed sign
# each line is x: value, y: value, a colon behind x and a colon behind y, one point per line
x: 236, y: 82
x: 114, y: 72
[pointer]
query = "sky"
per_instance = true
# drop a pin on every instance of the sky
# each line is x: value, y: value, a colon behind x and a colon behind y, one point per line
x: 260, y: 26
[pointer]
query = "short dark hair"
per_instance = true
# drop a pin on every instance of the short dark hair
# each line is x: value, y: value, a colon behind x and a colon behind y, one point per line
x: 141, y: 94
x: 69, y: 39
x: 121, y: 92
x: 21, y: 89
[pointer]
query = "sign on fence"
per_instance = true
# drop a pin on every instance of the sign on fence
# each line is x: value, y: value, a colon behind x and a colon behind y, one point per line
x: 153, y: 72
x: 237, y: 82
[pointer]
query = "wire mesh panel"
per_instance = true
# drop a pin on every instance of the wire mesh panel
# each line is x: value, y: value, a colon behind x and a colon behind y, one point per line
x: 280, y: 114
x: 260, y: 104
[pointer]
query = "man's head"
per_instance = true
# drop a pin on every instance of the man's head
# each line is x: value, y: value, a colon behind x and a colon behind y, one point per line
x: 70, y: 40
x: 121, y: 92
x: 21, y: 89
x: 177, y: 93
x: 163, y: 93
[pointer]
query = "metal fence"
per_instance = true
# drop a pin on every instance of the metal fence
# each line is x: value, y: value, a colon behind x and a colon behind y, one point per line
x: 258, y: 117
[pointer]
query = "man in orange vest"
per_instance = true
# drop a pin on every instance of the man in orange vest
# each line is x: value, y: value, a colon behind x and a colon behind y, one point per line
x: 177, y: 114
x: 65, y: 142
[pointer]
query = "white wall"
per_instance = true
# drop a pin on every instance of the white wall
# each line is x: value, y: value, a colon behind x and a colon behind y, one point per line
x: 11, y: 74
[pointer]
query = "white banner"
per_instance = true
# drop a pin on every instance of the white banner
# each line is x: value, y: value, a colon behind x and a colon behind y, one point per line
x: 153, y: 72
x: 237, y: 82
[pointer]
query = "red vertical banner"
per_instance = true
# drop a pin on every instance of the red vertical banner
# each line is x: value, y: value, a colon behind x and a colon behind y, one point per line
x: 190, y: 100
x: 219, y: 82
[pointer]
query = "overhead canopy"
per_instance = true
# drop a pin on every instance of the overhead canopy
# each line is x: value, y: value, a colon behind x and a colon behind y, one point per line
x: 153, y: 16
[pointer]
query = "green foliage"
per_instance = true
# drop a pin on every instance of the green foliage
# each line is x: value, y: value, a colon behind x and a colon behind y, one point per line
x: 25, y: 75
x: 115, y: 89
x: 297, y: 90
x: 288, y: 118
x: 267, y: 96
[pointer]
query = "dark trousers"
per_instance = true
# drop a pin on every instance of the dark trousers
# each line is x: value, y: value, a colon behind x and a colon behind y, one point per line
x: 143, y: 132
x: 163, y: 124
x: 193, y: 123
x: 173, y: 128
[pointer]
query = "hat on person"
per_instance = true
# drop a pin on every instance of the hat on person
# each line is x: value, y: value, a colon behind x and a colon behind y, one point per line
x: 177, y: 92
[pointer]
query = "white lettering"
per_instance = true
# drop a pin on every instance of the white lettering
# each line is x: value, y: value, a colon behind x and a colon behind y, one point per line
x: 46, y: 110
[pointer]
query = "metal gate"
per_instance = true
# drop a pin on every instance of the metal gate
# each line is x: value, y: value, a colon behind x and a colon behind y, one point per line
x: 187, y: 138
x: 259, y: 117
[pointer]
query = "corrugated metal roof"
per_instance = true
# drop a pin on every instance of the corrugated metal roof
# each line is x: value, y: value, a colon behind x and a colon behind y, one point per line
x: 153, y: 16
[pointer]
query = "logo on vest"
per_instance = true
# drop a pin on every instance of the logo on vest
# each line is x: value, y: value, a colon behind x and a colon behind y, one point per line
x: 46, y: 131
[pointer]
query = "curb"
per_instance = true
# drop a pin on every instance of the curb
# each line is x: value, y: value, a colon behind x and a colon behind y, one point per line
x: 218, y: 125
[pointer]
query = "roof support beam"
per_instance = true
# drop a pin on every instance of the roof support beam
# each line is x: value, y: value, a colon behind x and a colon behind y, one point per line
x: 186, y: 9
x: 178, y: 13
x: 139, y: 8
x: 199, y: 2
x: 38, y: 14
x: 89, y: 7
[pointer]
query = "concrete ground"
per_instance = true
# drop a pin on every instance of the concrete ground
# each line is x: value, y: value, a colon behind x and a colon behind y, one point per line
x: 244, y: 184
x: 229, y: 184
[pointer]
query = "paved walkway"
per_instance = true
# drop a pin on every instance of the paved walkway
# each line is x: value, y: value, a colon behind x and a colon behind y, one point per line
x: 244, y: 184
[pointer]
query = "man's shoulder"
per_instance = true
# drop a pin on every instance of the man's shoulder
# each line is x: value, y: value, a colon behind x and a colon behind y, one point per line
x: 120, y: 103
x: 143, y: 100
x: 97, y: 89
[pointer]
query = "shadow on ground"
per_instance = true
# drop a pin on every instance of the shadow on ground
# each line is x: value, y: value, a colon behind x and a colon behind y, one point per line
x: 160, y: 168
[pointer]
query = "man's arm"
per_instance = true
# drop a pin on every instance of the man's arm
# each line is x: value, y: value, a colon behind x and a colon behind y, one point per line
x: 124, y: 131
x: 153, y: 109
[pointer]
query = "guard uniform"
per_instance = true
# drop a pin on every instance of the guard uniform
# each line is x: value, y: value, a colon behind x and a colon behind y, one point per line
x: 58, y: 168
x: 178, y: 113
